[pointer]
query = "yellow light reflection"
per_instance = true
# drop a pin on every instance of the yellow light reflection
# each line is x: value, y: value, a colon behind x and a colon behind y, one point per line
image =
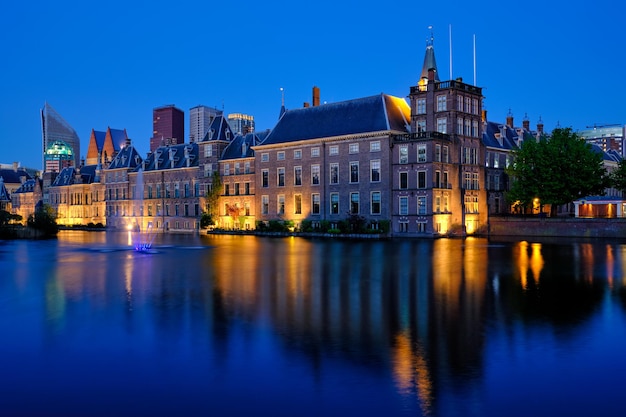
x: 522, y: 262
x: 410, y: 368
x: 536, y: 260
x: 610, y: 264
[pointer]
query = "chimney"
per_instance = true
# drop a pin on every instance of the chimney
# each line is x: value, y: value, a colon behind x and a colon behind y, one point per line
x: 306, y: 104
x: 540, y: 126
x: 509, y: 119
x: 526, y: 122
x: 484, y: 116
x: 431, y: 74
x: 316, y: 96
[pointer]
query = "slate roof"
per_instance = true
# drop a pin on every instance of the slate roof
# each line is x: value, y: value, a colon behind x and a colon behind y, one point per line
x: 27, y: 187
x: 118, y: 136
x: 219, y: 130
x: 509, y: 138
x: 12, y: 176
x: 99, y: 138
x: 67, y: 175
x: 240, y: 147
x: 4, y: 193
x: 363, y: 115
x: 127, y: 157
x: 163, y: 156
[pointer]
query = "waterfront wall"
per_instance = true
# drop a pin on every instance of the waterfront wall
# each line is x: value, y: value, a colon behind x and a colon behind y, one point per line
x: 565, y: 227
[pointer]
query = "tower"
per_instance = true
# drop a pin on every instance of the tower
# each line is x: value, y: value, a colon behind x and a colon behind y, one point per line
x: 168, y: 126
x: 241, y: 124
x: 446, y: 132
x: 54, y: 129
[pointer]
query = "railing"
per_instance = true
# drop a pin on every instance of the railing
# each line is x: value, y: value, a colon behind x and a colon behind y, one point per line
x: 416, y: 136
x: 441, y: 85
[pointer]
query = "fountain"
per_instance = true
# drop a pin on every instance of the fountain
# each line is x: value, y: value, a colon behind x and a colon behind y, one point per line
x: 139, y: 237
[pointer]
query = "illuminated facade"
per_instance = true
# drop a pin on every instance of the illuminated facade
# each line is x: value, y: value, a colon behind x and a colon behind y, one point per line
x: 55, y: 128
x: 77, y: 196
x: 105, y: 145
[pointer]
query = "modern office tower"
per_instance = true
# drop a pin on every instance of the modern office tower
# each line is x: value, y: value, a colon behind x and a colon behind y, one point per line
x: 607, y: 137
x: 168, y: 126
x: 54, y: 128
x: 241, y: 124
x: 59, y: 155
x: 200, y: 119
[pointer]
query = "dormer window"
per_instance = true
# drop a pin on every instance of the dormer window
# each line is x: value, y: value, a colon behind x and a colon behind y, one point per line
x: 211, y: 133
x: 227, y: 134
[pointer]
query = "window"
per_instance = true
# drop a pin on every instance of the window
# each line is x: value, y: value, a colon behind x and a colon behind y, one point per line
x: 333, y: 150
x: 375, y: 146
x: 334, y: 173
x: 475, y: 185
x: 404, y: 154
x: 149, y: 191
x: 354, y: 172
x: 496, y: 182
x: 315, y: 152
x: 208, y: 170
x: 444, y: 154
x: 187, y: 190
x: 421, y: 125
x: 315, y: 203
x: 446, y: 203
x: 246, y: 168
x: 496, y: 161
x: 246, y: 188
x: 475, y: 106
x: 226, y: 189
x: 421, y: 205
x: 468, y: 181
x: 441, y: 103
x: 226, y: 169
x: 265, y: 178
x: 444, y: 180
x: 421, y: 179
x: 437, y: 179
x: 375, y: 203
x: 438, y: 204
x: 471, y: 204
x: 354, y: 148
x: 297, y: 204
x: 246, y: 208
x: 404, y: 227
x: 297, y: 154
x: 158, y: 191
x: 404, y: 206
x: 459, y: 126
x: 196, y: 189
x: 437, y: 153
x: 281, y: 203
x: 475, y: 128
x: 236, y: 188
x: 375, y: 170
x: 315, y: 174
x: 297, y: 175
x: 177, y: 190
x: 208, y: 151
x: 468, y: 108
x: 467, y: 132
x: 404, y: 180
x: 421, y: 106
x: 280, y: 156
x: 265, y: 157
x: 265, y: 204
x: 237, y: 168
x: 281, y: 177
x: 421, y: 153
x: 354, y: 203
x: 487, y: 158
x: 334, y: 203
x: 442, y: 125
x: 459, y: 103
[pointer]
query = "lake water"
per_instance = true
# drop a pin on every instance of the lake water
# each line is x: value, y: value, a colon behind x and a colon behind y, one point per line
x: 239, y: 325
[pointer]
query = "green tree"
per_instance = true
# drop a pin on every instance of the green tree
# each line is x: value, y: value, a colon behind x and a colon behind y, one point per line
x: 557, y: 171
x: 7, y: 218
x: 43, y: 219
x: 212, y: 200
x: 618, y: 177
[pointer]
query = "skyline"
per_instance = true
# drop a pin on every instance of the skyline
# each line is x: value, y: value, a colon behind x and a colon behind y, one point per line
x: 105, y: 66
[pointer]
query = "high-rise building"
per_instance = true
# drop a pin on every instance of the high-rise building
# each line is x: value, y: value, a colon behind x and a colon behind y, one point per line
x: 241, y: 124
x: 607, y: 137
x: 168, y: 126
x: 55, y: 129
x: 200, y: 119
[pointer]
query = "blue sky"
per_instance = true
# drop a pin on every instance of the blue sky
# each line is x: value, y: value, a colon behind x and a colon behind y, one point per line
x: 110, y: 63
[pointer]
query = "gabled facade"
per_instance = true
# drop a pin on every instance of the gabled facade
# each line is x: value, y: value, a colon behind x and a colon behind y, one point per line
x: 77, y: 197
x: 103, y: 146
x: 26, y: 197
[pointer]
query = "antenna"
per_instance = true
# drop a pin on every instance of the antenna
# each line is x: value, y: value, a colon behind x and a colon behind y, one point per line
x: 474, y: 60
x: 450, y: 33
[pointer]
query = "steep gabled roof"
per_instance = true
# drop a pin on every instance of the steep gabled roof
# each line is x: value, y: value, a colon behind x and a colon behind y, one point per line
x: 219, y: 130
x: 28, y: 186
x: 359, y: 116
x: 502, y: 136
x: 172, y: 157
x: 127, y: 157
x: 4, y: 193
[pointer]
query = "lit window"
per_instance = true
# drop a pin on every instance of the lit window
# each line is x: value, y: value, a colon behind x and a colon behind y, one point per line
x: 297, y: 204
x: 354, y: 148
x: 297, y: 154
x: 375, y: 146
x: 421, y: 153
x: 333, y: 150
x: 334, y: 203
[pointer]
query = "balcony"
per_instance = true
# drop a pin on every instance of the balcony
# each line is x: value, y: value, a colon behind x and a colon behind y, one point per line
x: 420, y: 136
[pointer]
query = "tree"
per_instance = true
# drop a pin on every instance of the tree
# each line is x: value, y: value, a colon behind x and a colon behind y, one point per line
x: 212, y: 200
x: 43, y: 219
x: 618, y: 177
x: 7, y: 218
x: 557, y: 171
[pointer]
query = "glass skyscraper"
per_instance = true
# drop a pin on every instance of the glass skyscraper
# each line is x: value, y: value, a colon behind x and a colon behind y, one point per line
x: 55, y: 129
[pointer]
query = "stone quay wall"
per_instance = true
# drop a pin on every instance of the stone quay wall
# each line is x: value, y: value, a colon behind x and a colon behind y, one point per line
x: 557, y: 227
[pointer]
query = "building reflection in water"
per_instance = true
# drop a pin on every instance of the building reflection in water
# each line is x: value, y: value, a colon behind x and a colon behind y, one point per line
x: 415, y: 309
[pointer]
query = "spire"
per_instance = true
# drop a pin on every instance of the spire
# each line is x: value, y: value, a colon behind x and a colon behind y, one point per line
x: 282, y: 103
x: 429, y: 58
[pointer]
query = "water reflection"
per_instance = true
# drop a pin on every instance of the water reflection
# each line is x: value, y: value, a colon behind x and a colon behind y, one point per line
x: 426, y: 318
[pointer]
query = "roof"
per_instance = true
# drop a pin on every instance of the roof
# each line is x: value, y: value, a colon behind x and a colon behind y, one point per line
x: 12, y: 176
x: 67, y: 175
x: 127, y: 157
x: 363, y: 115
x: 429, y: 61
x: 4, y: 193
x: 240, y: 147
x: 502, y: 136
x: 28, y: 186
x: 172, y: 157
x: 219, y: 130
